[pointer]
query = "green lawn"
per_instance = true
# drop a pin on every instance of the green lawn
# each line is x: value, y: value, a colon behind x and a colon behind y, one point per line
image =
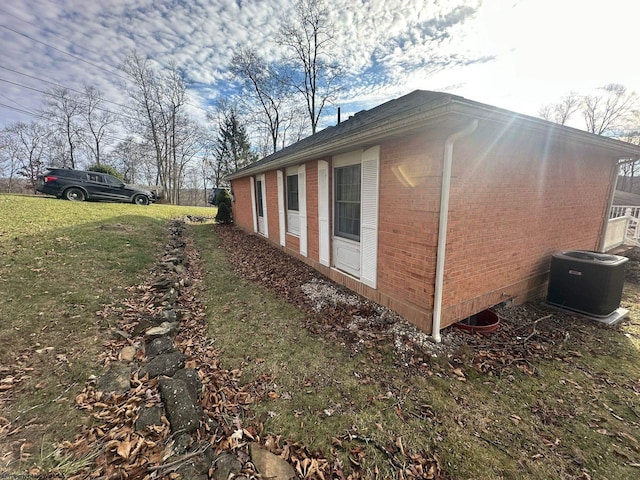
x: 60, y: 262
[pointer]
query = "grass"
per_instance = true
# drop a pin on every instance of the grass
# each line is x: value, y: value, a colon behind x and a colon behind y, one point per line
x: 576, y: 418
x: 60, y: 262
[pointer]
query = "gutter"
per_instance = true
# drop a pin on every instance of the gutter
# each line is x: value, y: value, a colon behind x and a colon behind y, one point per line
x: 442, y: 227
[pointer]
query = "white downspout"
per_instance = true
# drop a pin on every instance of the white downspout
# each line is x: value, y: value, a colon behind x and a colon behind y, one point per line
x: 442, y: 228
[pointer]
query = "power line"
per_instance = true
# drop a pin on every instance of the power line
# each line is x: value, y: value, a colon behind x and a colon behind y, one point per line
x: 19, y: 109
x: 37, y: 115
x: 53, y: 95
x: 65, y: 53
x: 53, y: 33
x: 60, y: 85
x: 19, y: 104
x: 71, y: 55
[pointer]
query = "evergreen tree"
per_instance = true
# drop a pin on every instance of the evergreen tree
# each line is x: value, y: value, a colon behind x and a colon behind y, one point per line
x: 232, y: 149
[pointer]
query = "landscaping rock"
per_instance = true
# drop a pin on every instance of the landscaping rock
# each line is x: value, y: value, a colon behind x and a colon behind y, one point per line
x: 192, y: 380
x: 163, y: 283
x: 116, y: 379
x: 149, y: 417
x: 170, y: 297
x: 181, y: 410
x: 162, y: 330
x: 159, y: 346
x: 168, y: 316
x: 225, y: 466
x: 181, y: 443
x: 188, y: 471
x: 204, y: 461
x: 270, y: 465
x: 127, y: 354
x: 165, y: 364
x: 144, y: 324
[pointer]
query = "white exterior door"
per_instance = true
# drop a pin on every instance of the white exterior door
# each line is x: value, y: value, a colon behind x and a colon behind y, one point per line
x: 346, y: 212
x: 355, y: 214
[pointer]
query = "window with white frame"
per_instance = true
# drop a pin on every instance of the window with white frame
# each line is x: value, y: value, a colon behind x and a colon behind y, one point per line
x: 293, y: 203
x: 347, y: 185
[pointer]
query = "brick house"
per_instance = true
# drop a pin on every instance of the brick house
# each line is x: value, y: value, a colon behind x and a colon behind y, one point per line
x: 434, y: 205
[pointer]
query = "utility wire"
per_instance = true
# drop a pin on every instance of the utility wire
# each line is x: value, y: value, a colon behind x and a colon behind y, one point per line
x: 19, y: 110
x: 37, y: 115
x: 65, y: 53
x: 71, y: 55
x: 13, y: 101
x: 52, y: 33
x: 60, y: 85
x: 53, y: 95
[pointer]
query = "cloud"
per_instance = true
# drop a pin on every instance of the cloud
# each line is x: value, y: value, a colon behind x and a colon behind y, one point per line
x: 386, y: 47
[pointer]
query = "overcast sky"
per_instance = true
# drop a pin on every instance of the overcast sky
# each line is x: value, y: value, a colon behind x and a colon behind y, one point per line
x: 515, y: 54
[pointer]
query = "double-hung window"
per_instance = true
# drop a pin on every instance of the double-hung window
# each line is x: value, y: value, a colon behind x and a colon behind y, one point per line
x: 347, y: 202
x: 293, y: 204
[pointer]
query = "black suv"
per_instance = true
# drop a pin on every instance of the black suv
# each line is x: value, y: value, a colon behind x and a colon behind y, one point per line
x: 79, y: 185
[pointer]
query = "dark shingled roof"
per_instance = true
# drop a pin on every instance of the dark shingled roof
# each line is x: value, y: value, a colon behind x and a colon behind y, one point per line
x: 415, y: 104
x: 365, y: 119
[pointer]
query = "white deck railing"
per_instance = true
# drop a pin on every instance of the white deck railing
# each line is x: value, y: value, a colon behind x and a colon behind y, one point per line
x: 623, y: 210
x: 623, y: 227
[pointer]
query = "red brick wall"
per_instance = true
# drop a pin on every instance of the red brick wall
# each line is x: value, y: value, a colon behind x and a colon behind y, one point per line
x: 513, y: 203
x: 313, y: 247
x: 242, y: 213
x: 271, y: 183
x: 408, y: 223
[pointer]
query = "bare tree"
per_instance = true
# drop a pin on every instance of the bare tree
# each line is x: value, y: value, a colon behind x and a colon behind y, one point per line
x: 159, y: 101
x: 63, y: 111
x: 265, y: 87
x: 97, y: 120
x: 562, y: 111
x: 8, y: 159
x: 144, y: 97
x: 309, y: 37
x: 28, y: 145
x: 606, y: 113
x: 132, y: 159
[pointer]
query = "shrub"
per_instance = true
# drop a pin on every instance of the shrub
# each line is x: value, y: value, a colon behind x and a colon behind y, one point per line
x: 106, y: 169
x: 223, y: 200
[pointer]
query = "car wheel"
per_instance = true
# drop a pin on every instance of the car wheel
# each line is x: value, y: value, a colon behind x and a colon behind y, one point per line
x: 140, y: 200
x: 74, y: 194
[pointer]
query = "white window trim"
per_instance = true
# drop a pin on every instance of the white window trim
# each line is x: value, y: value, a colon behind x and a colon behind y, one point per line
x: 281, y: 208
x: 324, y: 232
x: 344, y: 250
x: 302, y: 204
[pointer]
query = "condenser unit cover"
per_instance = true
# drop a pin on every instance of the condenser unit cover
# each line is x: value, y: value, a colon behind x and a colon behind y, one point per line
x: 587, y: 282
